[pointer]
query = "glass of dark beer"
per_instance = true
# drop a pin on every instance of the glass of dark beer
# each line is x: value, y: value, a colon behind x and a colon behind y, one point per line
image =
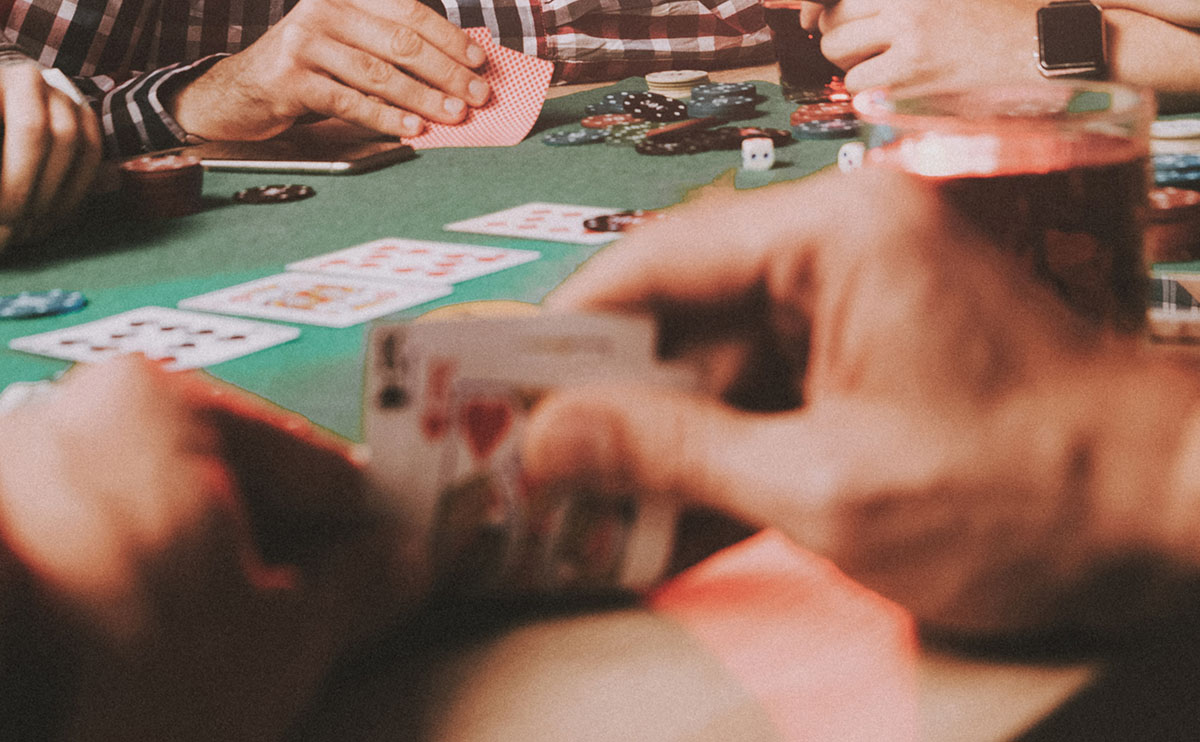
x: 803, y: 70
x: 1057, y: 173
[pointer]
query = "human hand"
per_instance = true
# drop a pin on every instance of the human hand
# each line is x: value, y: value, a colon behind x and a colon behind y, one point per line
x: 206, y: 555
x: 51, y: 153
x: 951, y: 451
x: 927, y: 43
x: 387, y: 66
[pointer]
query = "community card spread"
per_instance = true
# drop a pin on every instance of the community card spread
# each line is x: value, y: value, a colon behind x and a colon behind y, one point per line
x: 178, y: 339
x: 518, y: 83
x: 330, y: 301
x: 540, y: 221
x: 393, y: 258
x: 447, y: 405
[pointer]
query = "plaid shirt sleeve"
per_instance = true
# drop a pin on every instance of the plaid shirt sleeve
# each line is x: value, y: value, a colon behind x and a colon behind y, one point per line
x: 611, y: 39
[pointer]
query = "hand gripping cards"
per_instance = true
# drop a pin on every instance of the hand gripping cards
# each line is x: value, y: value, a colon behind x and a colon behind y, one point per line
x: 446, y: 407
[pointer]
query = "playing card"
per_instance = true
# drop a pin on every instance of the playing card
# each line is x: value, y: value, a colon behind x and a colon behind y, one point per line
x: 329, y: 301
x: 519, y: 83
x: 540, y: 221
x: 446, y: 408
x: 394, y: 258
x: 178, y: 339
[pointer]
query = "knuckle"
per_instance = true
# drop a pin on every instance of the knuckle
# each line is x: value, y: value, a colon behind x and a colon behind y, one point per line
x: 342, y: 103
x: 375, y: 71
x: 404, y: 43
x: 293, y: 38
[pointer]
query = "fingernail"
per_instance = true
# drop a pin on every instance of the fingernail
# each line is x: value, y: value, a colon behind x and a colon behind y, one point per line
x: 476, y: 55
x: 454, y: 106
x: 413, y: 123
x: 479, y: 90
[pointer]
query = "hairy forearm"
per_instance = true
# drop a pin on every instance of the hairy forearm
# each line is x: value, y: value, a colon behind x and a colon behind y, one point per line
x: 1146, y: 50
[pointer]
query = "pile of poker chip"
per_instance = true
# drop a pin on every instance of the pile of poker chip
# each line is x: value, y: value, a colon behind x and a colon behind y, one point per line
x: 675, y: 83
x: 32, y: 304
x: 654, y: 123
x: 162, y: 187
x: 1176, y: 170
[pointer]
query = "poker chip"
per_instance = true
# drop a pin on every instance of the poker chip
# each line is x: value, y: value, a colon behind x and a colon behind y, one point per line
x: 605, y: 120
x: 1178, y: 178
x: 655, y: 107
x: 628, y: 135
x: 1175, y: 129
x: 1172, y: 230
x: 162, y: 187
x: 274, y: 194
x: 675, y: 83
x: 574, y: 137
x: 838, y: 128
x: 610, y: 103
x: 621, y: 221
x: 480, y: 309
x: 724, y: 106
x: 822, y: 112
x: 685, y: 127
x: 675, y: 147
x: 723, y: 90
x: 31, y: 304
x: 778, y: 137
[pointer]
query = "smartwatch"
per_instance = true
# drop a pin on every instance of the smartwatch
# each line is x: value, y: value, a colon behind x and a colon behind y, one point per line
x: 1071, y: 39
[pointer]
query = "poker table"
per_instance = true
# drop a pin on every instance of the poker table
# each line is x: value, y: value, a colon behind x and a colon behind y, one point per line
x: 122, y: 264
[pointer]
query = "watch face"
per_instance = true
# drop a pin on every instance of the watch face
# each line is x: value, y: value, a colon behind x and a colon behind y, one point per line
x: 1070, y: 36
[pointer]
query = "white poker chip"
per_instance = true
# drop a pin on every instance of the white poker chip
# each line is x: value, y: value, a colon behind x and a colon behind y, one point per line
x: 676, y: 77
x: 1176, y: 129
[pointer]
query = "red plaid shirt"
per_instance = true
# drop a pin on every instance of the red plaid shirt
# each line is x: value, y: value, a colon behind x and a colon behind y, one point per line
x: 122, y: 52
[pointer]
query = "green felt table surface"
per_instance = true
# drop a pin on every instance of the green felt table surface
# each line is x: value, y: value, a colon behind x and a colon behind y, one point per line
x: 121, y: 264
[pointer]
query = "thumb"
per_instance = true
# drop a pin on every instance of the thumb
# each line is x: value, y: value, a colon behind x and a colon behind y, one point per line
x: 758, y: 467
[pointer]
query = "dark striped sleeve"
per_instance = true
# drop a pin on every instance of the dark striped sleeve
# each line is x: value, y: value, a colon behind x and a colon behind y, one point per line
x: 133, y: 118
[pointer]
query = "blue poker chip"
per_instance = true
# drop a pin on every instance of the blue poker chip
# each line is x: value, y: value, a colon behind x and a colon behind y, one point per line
x: 573, y: 137
x: 723, y: 106
x: 30, y: 304
x: 835, y: 128
x: 1176, y: 162
x: 610, y: 103
x: 1178, y: 178
x: 723, y: 89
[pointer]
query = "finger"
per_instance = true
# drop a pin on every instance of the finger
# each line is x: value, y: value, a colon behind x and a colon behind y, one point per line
x: 392, y: 46
x: 66, y: 136
x: 810, y: 16
x: 373, y: 77
x: 433, y: 28
x: 331, y: 98
x: 694, y: 258
x: 854, y: 42
x: 87, y: 161
x: 23, y: 98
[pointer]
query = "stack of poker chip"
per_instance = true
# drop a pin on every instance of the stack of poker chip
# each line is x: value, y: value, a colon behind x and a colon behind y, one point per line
x: 1175, y: 136
x: 730, y: 100
x: 654, y: 107
x: 1176, y: 170
x: 825, y: 120
x: 675, y: 83
x: 610, y: 103
x: 31, y: 304
x: 162, y: 187
x: 1172, y: 233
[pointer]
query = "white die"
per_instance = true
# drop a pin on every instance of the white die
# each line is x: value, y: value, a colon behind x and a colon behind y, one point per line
x: 758, y: 153
x: 850, y: 156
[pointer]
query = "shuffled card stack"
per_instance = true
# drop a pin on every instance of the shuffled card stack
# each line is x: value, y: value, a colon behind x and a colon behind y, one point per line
x: 446, y: 406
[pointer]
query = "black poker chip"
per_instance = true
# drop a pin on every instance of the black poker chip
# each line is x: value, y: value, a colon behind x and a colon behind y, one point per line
x: 687, y: 146
x: 655, y: 107
x: 274, y: 194
x: 778, y: 137
x: 620, y: 221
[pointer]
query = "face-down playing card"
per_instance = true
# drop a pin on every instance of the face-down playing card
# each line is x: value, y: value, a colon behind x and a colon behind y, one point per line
x: 540, y: 221
x: 329, y: 301
x: 394, y: 258
x: 179, y: 340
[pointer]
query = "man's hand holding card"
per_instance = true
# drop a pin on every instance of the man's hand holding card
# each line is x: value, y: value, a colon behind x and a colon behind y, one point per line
x: 446, y: 407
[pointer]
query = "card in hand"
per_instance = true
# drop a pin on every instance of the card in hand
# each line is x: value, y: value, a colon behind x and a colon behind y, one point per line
x: 329, y: 301
x: 178, y: 339
x: 446, y: 409
x: 394, y: 258
x: 540, y: 221
x: 519, y: 83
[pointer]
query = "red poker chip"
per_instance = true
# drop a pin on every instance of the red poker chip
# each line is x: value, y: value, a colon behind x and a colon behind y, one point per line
x: 822, y: 112
x: 1170, y: 203
x: 162, y: 187
x: 605, y: 120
